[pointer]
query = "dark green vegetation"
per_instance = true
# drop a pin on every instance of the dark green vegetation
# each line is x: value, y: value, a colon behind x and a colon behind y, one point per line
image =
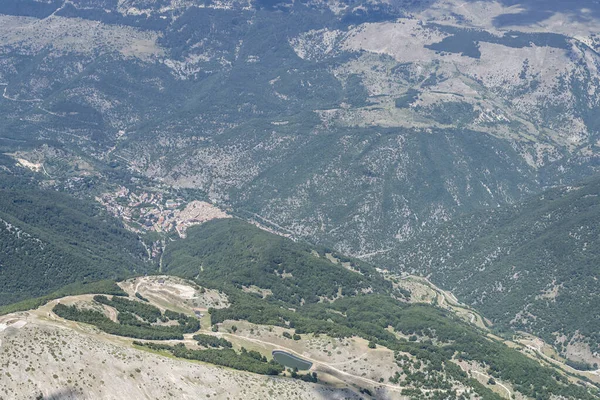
x: 136, y: 319
x: 139, y: 296
x: 105, y: 287
x: 212, y: 341
x: 308, y: 377
x: 49, y: 239
x: 291, y: 361
x: 582, y: 366
x: 534, y: 266
x: 407, y: 98
x: 233, y: 253
x: 240, y: 254
x: 244, y: 360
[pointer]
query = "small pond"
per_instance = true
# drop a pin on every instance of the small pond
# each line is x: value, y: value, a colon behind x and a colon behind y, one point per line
x: 291, y: 361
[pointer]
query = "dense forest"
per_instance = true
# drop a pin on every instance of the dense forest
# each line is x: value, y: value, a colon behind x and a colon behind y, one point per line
x: 241, y: 254
x: 103, y: 286
x: 244, y: 360
x: 49, y: 239
x: 533, y: 266
x: 212, y: 341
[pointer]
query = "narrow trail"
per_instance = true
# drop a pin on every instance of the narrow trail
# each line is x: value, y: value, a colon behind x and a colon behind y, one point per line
x: 58, y: 9
x: 137, y: 285
x: 538, y: 350
x: 112, y: 313
x: 352, y: 360
x: 497, y: 383
x: 367, y: 255
x: 270, y: 222
x: 474, y: 18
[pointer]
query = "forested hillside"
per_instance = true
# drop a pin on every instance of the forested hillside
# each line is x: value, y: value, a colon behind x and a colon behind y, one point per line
x: 534, y: 266
x: 49, y: 239
x: 237, y: 253
x: 304, y: 288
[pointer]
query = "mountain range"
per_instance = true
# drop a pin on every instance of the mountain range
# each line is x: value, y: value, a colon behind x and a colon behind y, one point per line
x: 390, y: 154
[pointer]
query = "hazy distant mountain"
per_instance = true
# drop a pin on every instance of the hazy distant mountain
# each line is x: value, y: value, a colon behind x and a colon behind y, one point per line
x: 358, y: 124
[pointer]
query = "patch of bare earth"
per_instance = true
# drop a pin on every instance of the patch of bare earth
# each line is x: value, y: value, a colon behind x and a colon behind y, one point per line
x: 175, y: 293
